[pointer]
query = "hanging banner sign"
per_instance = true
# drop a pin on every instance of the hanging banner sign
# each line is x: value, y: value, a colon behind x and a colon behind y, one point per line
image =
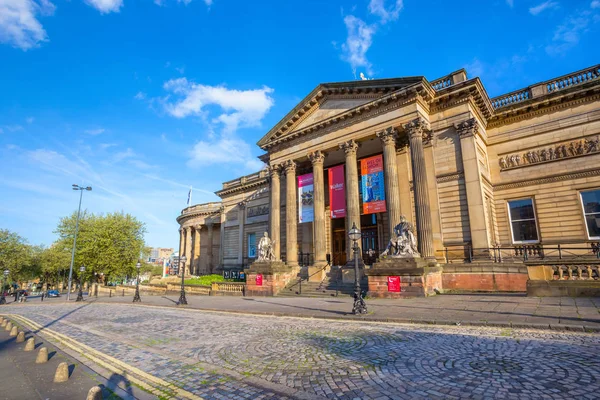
x: 393, y: 283
x: 373, y: 186
x: 337, y: 192
x: 306, y: 211
x: 259, y: 279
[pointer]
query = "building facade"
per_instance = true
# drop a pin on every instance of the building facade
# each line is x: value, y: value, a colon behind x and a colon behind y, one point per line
x: 479, y: 178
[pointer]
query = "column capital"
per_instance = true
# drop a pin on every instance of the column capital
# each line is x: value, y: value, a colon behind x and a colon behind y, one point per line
x: 387, y: 136
x: 290, y: 166
x: 242, y: 205
x: 316, y: 157
x: 349, y: 147
x: 418, y: 127
x: 274, y: 169
x: 467, y: 128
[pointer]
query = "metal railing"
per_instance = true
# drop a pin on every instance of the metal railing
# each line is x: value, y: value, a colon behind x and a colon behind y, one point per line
x: 588, y: 251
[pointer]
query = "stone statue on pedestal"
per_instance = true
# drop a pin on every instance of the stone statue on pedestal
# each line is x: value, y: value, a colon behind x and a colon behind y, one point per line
x: 403, y: 242
x: 265, y: 248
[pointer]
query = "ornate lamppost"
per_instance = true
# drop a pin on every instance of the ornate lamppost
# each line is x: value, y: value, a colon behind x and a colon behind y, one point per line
x: 360, y: 307
x: 182, y: 299
x: 81, y: 189
x: 80, y: 294
x: 4, y: 277
x: 136, y: 298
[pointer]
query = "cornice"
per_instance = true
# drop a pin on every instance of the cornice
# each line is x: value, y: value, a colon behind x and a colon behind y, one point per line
x: 470, y: 90
x: 533, y: 108
x: 418, y: 92
x: 549, y: 179
x: 241, y: 188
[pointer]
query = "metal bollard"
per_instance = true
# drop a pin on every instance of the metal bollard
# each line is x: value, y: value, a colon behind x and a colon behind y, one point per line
x: 123, y: 292
x: 110, y: 293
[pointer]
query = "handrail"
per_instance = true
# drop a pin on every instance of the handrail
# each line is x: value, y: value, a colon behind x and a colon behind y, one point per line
x: 307, y: 278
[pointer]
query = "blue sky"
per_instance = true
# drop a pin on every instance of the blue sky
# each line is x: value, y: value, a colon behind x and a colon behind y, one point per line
x: 141, y: 99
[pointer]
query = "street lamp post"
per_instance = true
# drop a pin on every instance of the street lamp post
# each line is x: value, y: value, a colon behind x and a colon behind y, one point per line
x: 80, y: 294
x: 360, y: 307
x: 81, y: 189
x: 136, y: 298
x: 3, y: 299
x: 182, y: 299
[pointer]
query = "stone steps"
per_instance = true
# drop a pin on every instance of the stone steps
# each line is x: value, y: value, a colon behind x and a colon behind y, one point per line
x: 317, y: 289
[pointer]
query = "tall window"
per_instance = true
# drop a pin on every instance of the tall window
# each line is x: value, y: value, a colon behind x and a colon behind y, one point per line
x: 591, y: 212
x: 522, y: 221
x: 252, y: 245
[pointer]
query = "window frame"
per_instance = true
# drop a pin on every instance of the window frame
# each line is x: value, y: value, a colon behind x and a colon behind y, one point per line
x: 535, y: 220
x: 583, y: 213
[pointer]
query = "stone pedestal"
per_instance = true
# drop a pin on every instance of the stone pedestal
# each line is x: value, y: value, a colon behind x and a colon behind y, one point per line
x: 275, y: 276
x: 418, y: 277
x: 348, y: 274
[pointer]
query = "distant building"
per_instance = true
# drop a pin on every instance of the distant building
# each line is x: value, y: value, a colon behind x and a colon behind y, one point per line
x: 159, y: 254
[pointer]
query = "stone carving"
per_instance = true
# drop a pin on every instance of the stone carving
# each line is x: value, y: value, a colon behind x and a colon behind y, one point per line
x: 560, y: 151
x: 258, y: 210
x: 403, y: 242
x: 265, y: 248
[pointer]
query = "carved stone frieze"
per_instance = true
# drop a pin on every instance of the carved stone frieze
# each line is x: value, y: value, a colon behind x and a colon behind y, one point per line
x: 257, y: 211
x: 559, y: 151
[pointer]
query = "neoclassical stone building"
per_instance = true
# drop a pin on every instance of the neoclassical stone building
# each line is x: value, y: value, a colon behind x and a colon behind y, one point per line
x: 520, y: 171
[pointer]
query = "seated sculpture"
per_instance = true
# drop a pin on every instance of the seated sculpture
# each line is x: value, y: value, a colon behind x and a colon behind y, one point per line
x: 265, y: 248
x: 403, y: 242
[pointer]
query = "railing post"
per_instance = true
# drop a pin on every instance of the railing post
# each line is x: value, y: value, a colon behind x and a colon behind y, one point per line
x: 559, y: 252
x: 499, y: 253
x: 524, y: 253
x: 446, y: 252
x: 495, y: 256
x: 470, y: 254
x: 300, y: 289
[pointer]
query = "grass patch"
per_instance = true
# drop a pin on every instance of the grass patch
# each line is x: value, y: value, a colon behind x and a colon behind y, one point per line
x: 207, y: 280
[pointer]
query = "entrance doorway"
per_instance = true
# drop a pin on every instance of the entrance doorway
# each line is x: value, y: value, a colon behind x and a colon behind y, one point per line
x: 339, y: 247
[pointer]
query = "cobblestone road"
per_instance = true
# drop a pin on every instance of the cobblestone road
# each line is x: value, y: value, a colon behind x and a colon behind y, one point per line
x: 224, y: 356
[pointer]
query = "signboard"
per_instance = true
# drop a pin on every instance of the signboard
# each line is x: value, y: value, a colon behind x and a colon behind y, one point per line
x: 337, y: 192
x: 252, y: 245
x: 306, y: 212
x: 226, y: 274
x: 259, y: 279
x: 235, y: 274
x: 373, y: 186
x: 393, y: 283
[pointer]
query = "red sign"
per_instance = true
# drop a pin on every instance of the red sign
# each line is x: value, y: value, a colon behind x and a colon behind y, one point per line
x: 373, y: 185
x: 393, y: 283
x: 258, y: 279
x: 337, y: 192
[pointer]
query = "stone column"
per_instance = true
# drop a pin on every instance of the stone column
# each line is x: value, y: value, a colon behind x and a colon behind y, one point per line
x: 352, y: 201
x: 197, y: 235
x: 188, y: 250
x: 275, y: 211
x: 209, y: 247
x: 241, y: 220
x: 418, y: 131
x: 192, y: 249
x: 475, y: 198
x: 291, y: 214
x: 390, y: 173
x: 319, y: 236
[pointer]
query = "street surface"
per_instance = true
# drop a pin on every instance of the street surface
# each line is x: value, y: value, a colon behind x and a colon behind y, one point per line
x: 233, y: 356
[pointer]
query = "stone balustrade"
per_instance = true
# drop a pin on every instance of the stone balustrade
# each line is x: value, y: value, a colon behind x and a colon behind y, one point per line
x: 576, y: 272
x: 547, y: 87
x: 511, y: 98
x: 442, y: 83
x: 228, y: 287
x: 202, y: 208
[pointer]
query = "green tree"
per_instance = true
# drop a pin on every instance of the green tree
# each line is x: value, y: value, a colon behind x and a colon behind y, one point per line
x: 15, y: 255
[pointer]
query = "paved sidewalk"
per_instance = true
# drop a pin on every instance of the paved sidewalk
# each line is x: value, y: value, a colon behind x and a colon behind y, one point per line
x: 516, y: 310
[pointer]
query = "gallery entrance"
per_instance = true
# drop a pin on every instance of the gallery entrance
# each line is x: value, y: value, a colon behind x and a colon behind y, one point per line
x: 339, y: 246
x: 369, y: 241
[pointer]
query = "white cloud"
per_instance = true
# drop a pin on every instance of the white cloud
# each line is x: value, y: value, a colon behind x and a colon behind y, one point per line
x: 19, y: 26
x: 181, y: 70
x: 105, y: 146
x: 13, y: 128
x: 391, y: 13
x: 208, y: 2
x: 510, y: 3
x: 474, y: 68
x: 29, y: 120
x: 595, y: 4
x: 358, y: 42
x: 106, y: 6
x: 140, y: 96
x: 94, y: 132
x: 567, y: 35
x: 547, y: 5
x: 129, y: 153
x: 239, y: 108
x: 224, y: 151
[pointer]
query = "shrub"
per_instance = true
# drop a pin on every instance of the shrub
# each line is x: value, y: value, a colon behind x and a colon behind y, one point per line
x: 207, y: 280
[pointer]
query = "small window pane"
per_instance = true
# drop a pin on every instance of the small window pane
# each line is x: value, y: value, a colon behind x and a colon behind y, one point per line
x: 521, y: 209
x: 591, y: 201
x: 524, y: 231
x: 593, y: 224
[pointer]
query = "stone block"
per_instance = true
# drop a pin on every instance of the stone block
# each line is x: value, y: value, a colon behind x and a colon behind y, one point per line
x: 564, y: 288
x: 540, y: 273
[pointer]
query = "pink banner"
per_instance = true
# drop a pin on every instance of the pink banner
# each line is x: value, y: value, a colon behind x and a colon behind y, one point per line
x: 337, y: 192
x: 393, y: 284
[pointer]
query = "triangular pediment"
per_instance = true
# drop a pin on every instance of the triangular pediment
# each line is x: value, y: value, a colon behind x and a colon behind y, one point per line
x: 330, y: 99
